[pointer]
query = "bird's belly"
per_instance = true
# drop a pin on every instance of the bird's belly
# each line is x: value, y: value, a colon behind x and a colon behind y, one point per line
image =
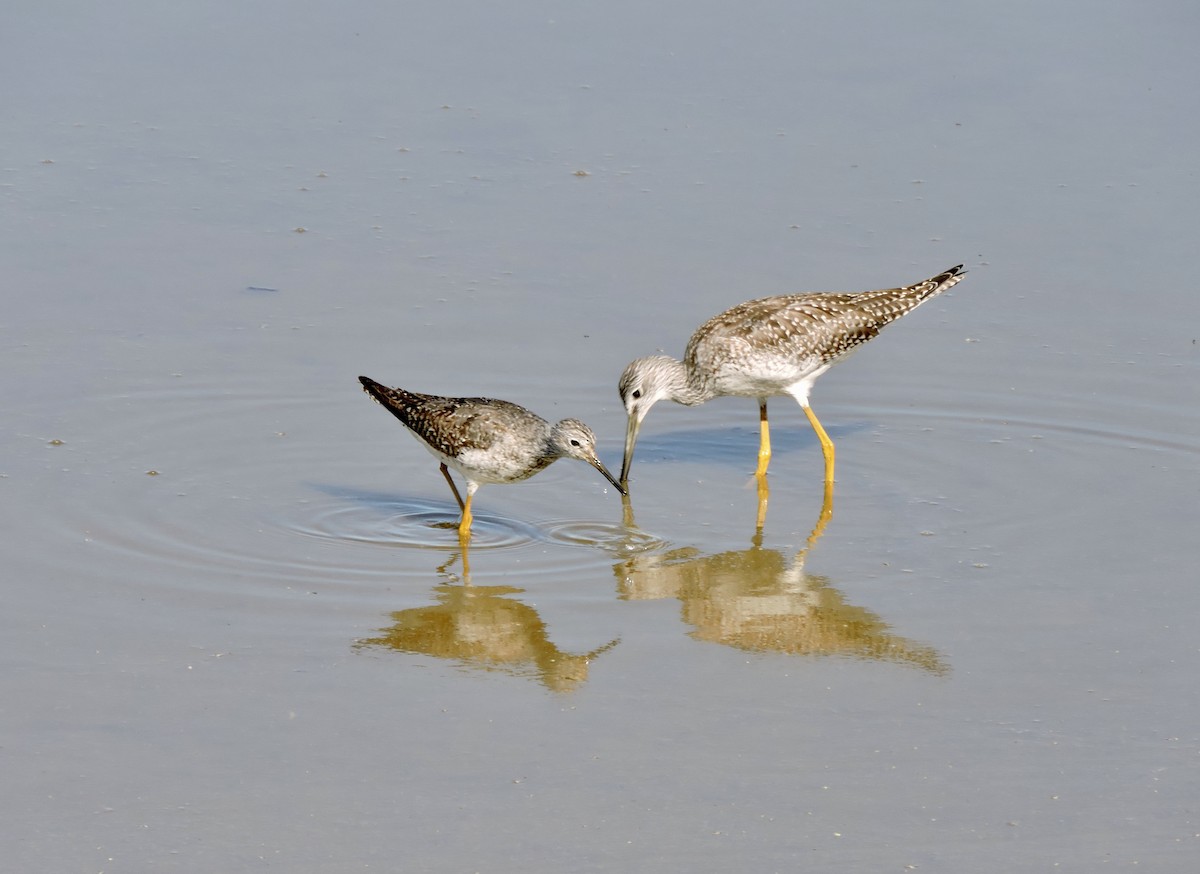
x: 494, y: 466
x: 763, y: 377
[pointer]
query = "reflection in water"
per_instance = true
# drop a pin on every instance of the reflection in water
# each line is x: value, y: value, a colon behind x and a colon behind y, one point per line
x: 758, y: 600
x: 481, y: 627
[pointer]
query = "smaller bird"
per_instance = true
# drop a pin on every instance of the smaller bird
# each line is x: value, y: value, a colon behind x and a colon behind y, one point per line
x: 767, y: 347
x: 487, y: 440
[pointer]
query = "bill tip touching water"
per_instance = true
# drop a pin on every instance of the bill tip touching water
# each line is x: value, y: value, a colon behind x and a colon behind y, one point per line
x: 769, y: 347
x: 487, y: 440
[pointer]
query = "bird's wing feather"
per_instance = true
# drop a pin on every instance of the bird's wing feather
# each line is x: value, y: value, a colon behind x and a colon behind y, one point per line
x: 452, y: 425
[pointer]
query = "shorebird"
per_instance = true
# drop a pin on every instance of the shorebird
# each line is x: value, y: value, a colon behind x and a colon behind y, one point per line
x: 486, y: 440
x: 768, y: 347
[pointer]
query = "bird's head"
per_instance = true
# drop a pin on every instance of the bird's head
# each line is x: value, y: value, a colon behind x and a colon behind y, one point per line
x: 644, y: 383
x: 573, y: 439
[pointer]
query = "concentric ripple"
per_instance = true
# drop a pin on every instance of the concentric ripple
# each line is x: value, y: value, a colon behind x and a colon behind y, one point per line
x: 616, y: 540
x: 238, y: 490
x: 409, y: 523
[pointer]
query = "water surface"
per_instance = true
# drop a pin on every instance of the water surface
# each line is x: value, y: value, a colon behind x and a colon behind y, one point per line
x: 240, y: 631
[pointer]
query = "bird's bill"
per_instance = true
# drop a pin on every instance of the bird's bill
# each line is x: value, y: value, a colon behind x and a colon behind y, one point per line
x: 599, y: 465
x: 631, y: 435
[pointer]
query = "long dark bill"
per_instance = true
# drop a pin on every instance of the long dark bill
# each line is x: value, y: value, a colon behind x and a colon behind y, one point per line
x: 631, y: 435
x: 599, y: 465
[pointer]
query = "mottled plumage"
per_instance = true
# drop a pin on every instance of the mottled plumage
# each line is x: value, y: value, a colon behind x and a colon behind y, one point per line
x: 487, y: 440
x: 767, y: 347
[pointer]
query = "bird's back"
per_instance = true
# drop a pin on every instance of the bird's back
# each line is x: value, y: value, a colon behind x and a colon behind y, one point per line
x: 784, y: 337
x: 454, y: 426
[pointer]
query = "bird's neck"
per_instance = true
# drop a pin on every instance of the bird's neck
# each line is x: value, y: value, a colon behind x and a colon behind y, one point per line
x: 686, y: 386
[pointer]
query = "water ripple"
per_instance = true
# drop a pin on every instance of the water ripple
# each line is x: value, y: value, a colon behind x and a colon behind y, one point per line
x: 613, y: 539
x: 407, y: 523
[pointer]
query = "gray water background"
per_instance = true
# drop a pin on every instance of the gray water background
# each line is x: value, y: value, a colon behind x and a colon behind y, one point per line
x: 237, y: 634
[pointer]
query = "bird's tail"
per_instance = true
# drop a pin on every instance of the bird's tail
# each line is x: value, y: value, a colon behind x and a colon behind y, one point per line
x: 935, y: 285
x: 395, y: 401
x: 888, y: 304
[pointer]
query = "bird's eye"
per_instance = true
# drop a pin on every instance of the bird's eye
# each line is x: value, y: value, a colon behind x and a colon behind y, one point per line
x: 637, y: 393
x: 574, y: 442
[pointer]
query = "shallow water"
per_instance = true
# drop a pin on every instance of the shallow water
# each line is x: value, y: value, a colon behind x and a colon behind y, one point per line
x: 241, y: 631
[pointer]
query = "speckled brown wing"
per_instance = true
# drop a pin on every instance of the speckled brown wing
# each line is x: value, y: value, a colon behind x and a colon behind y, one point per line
x: 450, y: 425
x: 815, y: 326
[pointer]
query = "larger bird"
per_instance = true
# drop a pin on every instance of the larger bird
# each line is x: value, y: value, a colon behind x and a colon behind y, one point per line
x: 767, y: 347
x: 486, y: 440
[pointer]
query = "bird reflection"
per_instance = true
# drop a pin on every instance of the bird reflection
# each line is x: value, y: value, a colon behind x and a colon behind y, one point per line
x: 761, y: 600
x: 481, y: 627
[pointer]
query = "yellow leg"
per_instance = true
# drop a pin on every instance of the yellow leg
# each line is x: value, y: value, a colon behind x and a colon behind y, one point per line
x: 826, y: 443
x: 464, y: 526
x: 764, y: 439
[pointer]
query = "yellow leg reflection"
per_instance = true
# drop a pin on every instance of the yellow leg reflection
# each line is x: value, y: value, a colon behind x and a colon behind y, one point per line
x: 466, y: 558
x: 823, y: 519
x: 764, y: 439
x: 464, y: 554
x: 826, y: 443
x: 764, y: 494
